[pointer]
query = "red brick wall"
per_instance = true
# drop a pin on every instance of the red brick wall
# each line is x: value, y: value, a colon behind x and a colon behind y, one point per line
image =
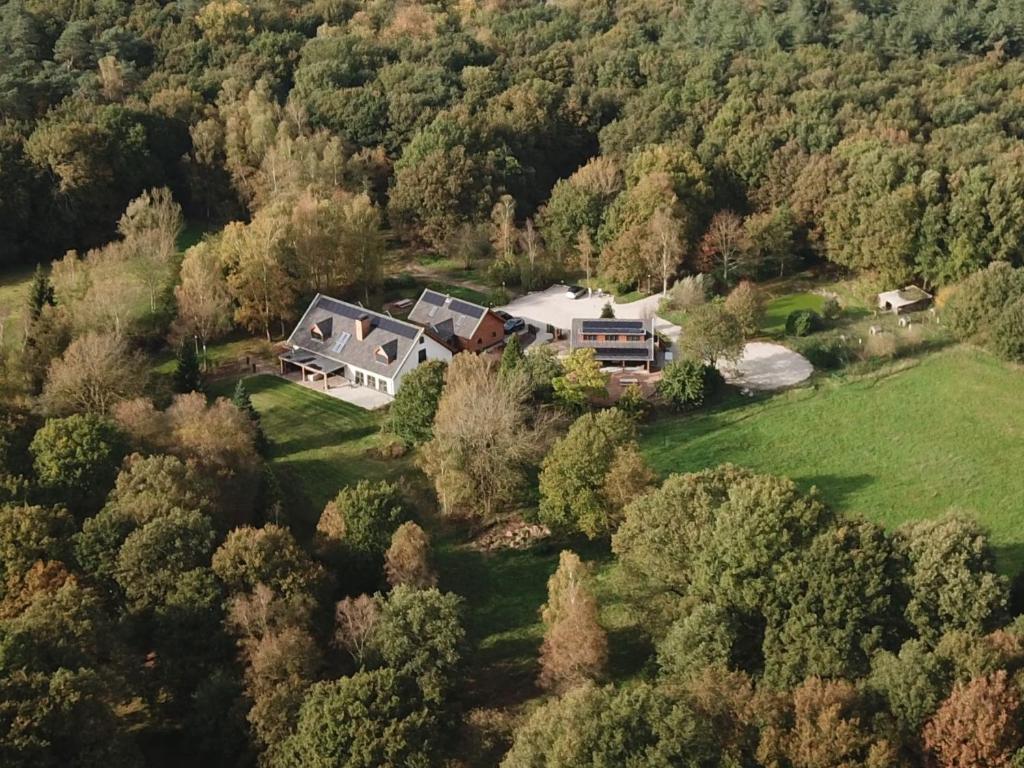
x: 490, y: 331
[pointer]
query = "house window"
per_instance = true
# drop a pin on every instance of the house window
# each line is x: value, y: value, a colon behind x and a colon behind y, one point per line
x: 382, y: 385
x: 493, y: 334
x: 590, y: 337
x: 423, y: 356
x: 371, y: 381
x: 359, y: 378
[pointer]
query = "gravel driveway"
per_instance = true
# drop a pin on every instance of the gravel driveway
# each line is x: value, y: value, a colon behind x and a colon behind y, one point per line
x: 766, y: 366
x: 553, y: 307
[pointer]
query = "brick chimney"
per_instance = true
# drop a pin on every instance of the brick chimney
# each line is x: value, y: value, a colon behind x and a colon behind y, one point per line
x: 362, y: 326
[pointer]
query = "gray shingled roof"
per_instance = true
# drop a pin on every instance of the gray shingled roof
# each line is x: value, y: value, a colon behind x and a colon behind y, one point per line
x: 395, y: 337
x: 434, y: 310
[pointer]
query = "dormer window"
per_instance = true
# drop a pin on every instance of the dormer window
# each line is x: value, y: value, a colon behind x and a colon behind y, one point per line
x: 322, y: 330
x: 386, y: 353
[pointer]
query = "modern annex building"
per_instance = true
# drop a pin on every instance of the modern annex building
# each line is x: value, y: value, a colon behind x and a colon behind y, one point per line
x: 615, y: 341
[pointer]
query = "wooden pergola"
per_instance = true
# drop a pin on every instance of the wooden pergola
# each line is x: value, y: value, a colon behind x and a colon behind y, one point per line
x: 310, y: 365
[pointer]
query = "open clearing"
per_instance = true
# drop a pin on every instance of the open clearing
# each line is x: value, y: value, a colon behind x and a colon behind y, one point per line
x: 767, y: 367
x: 777, y: 310
x: 946, y: 433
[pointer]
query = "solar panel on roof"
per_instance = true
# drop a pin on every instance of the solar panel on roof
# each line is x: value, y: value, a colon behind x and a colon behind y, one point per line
x: 466, y: 309
x: 612, y: 326
x: 382, y: 321
x: 433, y: 298
x: 624, y: 353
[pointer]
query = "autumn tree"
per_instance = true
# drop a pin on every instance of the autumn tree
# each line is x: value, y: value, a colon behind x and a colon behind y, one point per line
x: 150, y: 227
x: 204, y: 303
x: 483, y: 441
x: 407, y: 560
x: 257, y: 278
x: 724, y: 249
x: 978, y: 725
x: 354, y: 620
x: 95, y: 372
x: 746, y: 304
x: 575, y: 647
x: 361, y: 519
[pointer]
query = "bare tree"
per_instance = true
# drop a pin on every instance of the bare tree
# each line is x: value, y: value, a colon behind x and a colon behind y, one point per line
x: 354, y: 619
x: 204, y: 305
x: 585, y: 251
x: 667, y: 234
x: 95, y: 372
x: 483, y: 441
x: 150, y: 226
x: 503, y: 228
x: 725, y: 245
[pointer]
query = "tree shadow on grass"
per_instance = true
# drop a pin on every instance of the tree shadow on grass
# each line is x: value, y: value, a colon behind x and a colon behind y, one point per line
x: 322, y: 439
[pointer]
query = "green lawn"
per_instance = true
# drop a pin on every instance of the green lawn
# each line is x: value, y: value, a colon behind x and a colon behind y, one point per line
x: 778, y: 309
x: 946, y: 433
x: 14, y: 285
x: 320, y: 444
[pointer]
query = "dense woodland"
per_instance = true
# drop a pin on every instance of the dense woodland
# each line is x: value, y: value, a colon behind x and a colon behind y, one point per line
x: 162, y: 601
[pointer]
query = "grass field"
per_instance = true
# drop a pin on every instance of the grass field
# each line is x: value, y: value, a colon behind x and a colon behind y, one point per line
x: 14, y: 285
x: 778, y: 309
x: 946, y: 433
x: 320, y: 444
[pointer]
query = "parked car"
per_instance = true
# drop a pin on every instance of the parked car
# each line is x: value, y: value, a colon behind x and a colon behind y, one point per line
x: 503, y: 314
x: 575, y: 291
x: 515, y: 325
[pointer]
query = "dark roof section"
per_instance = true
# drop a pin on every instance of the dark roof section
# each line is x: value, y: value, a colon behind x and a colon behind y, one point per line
x: 612, y: 325
x: 435, y: 311
x: 351, y: 311
x: 394, y: 337
x: 621, y: 353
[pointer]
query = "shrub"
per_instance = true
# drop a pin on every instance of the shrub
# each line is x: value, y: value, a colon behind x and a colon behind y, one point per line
x: 828, y: 354
x: 880, y: 346
x: 1008, y: 333
x: 803, y: 322
x: 831, y: 309
x: 684, y: 384
x: 633, y: 403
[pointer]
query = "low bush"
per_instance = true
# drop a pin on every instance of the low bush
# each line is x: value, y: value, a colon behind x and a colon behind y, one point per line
x: 828, y: 354
x: 803, y: 322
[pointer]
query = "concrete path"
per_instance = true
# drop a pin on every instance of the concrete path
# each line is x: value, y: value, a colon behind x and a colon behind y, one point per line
x: 553, y: 307
x: 765, y: 367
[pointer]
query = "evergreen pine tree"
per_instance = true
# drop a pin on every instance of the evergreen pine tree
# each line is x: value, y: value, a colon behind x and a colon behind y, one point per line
x: 607, y: 311
x: 40, y: 293
x: 187, y: 377
x: 512, y: 357
x: 243, y: 402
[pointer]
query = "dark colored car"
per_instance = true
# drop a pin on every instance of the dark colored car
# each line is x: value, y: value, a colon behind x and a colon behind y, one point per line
x: 575, y: 291
x: 503, y: 314
x: 515, y: 325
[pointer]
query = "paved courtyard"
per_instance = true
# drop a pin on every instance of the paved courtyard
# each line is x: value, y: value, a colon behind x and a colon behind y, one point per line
x: 553, y: 307
x: 343, y: 389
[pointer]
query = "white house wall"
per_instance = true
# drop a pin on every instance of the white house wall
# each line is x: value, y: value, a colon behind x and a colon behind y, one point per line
x: 435, y: 351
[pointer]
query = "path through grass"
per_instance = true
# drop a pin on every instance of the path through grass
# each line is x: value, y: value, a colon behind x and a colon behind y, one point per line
x: 947, y: 433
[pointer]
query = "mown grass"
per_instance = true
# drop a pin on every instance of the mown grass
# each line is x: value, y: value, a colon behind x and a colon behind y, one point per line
x: 941, y: 434
x: 319, y: 444
x: 778, y: 309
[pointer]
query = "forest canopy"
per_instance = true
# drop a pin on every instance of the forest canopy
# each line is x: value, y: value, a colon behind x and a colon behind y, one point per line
x: 877, y: 135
